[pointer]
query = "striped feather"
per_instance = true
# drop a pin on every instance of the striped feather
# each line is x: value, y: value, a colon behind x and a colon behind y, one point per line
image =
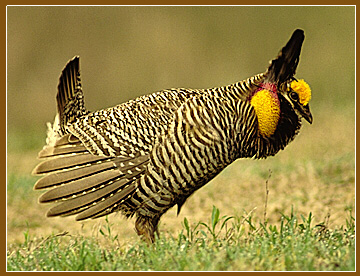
x: 70, y: 98
x: 112, y: 201
x: 66, y: 162
x: 87, y: 199
x: 79, y: 186
x: 62, y: 177
x: 54, y: 151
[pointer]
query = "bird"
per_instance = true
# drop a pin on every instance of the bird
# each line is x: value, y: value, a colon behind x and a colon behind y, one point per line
x: 146, y: 155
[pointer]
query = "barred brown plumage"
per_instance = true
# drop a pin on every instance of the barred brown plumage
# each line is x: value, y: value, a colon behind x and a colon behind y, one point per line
x: 146, y: 155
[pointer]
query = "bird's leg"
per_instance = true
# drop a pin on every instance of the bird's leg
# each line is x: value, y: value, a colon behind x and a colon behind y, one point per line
x: 146, y: 227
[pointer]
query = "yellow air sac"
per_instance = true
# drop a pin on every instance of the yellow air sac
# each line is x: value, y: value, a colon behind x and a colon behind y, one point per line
x: 267, y: 107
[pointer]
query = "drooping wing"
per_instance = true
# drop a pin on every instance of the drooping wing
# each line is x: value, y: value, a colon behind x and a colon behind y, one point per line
x: 207, y: 134
x: 83, y: 183
x: 92, y: 170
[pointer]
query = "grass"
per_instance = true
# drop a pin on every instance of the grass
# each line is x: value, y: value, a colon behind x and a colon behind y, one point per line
x: 223, y: 243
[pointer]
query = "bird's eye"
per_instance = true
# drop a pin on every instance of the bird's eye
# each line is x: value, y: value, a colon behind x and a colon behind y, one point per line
x: 294, y: 96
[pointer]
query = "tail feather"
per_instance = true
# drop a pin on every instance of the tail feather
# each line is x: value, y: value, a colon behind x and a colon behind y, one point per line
x: 70, y: 98
x: 284, y: 66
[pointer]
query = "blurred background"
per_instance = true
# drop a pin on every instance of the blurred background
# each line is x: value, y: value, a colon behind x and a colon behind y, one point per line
x: 131, y: 51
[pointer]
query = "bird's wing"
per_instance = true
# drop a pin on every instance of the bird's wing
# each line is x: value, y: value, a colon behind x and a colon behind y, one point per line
x: 82, y: 182
x: 201, y: 141
x: 92, y: 170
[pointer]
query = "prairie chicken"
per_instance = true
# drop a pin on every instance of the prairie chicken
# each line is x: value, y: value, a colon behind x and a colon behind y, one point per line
x: 146, y: 155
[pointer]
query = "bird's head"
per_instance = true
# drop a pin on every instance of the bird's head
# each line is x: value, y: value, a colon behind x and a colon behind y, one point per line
x: 279, y: 83
x: 298, y: 94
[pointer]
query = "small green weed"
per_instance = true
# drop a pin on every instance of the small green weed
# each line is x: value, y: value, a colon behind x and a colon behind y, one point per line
x: 211, y: 228
x: 107, y: 233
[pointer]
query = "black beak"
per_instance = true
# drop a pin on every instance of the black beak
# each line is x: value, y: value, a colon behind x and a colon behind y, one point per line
x: 305, y: 112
